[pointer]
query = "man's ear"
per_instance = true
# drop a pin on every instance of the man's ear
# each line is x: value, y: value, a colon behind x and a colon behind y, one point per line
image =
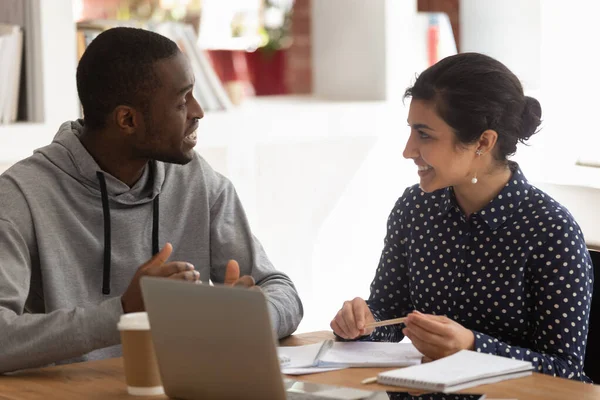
x: 487, y: 141
x: 126, y: 119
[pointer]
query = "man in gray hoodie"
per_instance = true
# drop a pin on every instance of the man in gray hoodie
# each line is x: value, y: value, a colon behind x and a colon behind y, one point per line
x: 109, y: 201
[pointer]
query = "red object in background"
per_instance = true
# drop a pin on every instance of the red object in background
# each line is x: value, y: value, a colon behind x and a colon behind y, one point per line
x: 232, y: 69
x: 267, y: 71
x: 230, y: 65
x: 433, y: 38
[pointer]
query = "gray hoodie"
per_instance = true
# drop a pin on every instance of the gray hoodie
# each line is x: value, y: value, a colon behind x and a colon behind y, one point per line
x: 60, y: 287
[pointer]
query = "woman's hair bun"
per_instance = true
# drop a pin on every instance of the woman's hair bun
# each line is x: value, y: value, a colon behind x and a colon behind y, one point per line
x: 531, y: 118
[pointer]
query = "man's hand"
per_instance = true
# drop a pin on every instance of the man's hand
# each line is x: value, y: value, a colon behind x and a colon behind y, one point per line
x: 350, y: 321
x: 232, y: 276
x: 437, y: 336
x: 156, y: 266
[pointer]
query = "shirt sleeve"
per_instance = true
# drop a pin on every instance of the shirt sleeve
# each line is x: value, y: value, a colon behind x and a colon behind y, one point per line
x: 390, y: 292
x: 231, y: 239
x: 561, y: 282
x: 38, y: 339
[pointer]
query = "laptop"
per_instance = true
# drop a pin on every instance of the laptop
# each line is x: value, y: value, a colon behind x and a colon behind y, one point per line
x: 216, y: 342
x: 212, y: 342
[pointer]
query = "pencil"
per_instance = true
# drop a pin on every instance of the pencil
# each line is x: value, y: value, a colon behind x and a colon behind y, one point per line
x: 385, y: 323
x: 366, y: 381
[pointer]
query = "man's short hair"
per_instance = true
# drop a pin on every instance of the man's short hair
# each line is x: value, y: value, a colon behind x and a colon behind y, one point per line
x: 117, y: 69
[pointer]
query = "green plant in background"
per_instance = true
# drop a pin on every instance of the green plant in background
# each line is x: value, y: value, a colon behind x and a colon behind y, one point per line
x: 276, y: 28
x: 273, y: 25
x: 157, y: 10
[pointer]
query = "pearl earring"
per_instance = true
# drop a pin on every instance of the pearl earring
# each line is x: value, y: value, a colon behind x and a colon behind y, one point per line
x: 474, y: 179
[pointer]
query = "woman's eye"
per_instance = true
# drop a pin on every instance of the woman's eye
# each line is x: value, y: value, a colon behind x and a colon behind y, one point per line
x: 182, y: 106
x: 423, y: 135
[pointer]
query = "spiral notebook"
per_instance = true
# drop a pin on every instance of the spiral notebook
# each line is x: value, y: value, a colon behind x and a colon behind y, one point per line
x: 456, y: 372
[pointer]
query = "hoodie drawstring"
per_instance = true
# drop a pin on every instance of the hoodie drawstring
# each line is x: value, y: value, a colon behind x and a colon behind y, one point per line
x: 155, y: 226
x: 107, y: 231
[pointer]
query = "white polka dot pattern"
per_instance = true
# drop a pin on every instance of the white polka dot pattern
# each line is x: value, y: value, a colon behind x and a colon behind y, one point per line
x: 517, y: 273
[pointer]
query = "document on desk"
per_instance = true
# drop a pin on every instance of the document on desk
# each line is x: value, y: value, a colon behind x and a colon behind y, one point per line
x: 458, y: 371
x: 330, y: 355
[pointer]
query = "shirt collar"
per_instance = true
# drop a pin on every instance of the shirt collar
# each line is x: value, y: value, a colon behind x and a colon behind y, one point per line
x: 502, y: 207
x: 447, y: 200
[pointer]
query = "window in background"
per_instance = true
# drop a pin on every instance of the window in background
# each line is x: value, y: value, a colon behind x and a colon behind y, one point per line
x: 570, y: 86
x: 550, y: 47
x: 230, y: 24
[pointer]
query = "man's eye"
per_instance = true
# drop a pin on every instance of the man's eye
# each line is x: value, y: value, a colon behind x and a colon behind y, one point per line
x: 182, y: 106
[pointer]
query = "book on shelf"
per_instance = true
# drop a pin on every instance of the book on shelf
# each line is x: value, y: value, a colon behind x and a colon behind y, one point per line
x: 208, y: 90
x: 11, y: 55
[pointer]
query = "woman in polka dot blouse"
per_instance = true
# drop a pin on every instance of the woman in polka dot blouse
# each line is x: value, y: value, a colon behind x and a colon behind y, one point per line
x: 474, y: 255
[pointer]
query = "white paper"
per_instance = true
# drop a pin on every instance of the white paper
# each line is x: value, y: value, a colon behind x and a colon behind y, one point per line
x: 371, y: 354
x: 300, y: 356
x: 308, y: 370
x: 345, y: 394
x: 324, y: 356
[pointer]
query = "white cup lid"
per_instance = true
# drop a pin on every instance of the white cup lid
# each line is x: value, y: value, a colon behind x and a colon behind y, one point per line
x: 137, y: 321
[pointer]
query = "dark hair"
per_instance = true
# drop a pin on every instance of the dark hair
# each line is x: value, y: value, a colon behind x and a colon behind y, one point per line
x: 117, y: 69
x: 473, y: 93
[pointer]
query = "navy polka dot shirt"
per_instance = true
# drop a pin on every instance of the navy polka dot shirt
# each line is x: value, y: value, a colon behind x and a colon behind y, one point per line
x: 517, y: 273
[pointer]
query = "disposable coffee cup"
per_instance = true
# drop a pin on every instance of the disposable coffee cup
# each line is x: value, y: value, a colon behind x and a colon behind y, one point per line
x: 141, y: 369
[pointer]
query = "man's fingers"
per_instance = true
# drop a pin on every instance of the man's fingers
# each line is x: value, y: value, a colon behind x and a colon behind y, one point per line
x: 232, y: 272
x: 159, y: 258
x: 169, y: 269
x: 186, y: 276
x: 245, y: 281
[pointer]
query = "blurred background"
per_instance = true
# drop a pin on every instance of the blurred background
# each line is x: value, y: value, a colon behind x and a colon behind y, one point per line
x: 304, y: 106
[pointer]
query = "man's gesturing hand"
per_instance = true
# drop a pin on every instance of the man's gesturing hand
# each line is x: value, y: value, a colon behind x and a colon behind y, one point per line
x: 158, y: 267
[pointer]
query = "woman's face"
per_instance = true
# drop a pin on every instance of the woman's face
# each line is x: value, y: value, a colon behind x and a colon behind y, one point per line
x: 433, y: 146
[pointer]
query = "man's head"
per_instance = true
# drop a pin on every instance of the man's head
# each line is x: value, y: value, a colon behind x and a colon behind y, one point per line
x: 138, y: 85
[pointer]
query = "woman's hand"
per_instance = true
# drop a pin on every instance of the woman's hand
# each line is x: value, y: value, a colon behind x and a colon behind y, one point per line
x: 437, y: 336
x: 350, y: 321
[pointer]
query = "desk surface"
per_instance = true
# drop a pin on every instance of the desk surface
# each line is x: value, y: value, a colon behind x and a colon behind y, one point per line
x: 105, y: 380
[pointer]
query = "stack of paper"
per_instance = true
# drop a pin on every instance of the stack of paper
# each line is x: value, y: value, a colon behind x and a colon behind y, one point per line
x: 330, y: 355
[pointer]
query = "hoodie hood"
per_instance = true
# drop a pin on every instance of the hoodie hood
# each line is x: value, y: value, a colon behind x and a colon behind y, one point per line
x: 68, y: 153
